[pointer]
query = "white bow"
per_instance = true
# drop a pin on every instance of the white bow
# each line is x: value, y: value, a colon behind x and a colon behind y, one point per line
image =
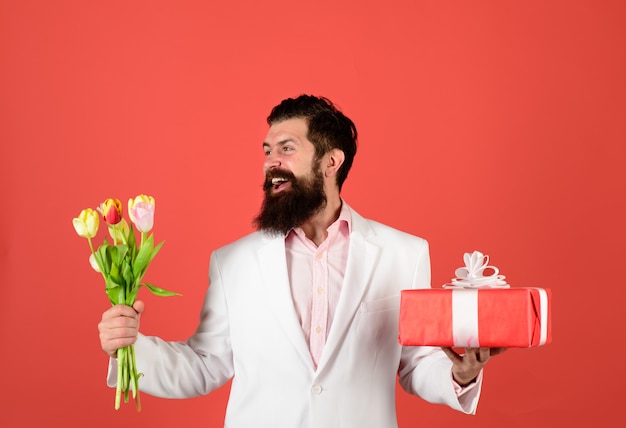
x: 473, y: 274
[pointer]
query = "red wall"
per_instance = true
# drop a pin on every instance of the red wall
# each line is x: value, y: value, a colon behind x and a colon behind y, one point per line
x: 488, y: 125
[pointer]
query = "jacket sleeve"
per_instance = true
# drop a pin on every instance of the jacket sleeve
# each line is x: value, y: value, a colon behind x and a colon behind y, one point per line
x: 427, y: 371
x: 187, y: 369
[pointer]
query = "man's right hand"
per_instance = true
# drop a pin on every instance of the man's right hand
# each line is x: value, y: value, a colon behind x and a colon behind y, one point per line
x: 119, y: 327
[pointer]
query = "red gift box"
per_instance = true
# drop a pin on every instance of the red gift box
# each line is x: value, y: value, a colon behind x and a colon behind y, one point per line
x: 516, y: 317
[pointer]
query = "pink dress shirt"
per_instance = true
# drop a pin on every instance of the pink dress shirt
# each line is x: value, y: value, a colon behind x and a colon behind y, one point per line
x: 316, y: 275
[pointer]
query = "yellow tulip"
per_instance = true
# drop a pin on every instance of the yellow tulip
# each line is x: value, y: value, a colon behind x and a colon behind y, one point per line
x: 86, y: 224
x: 119, y: 231
x: 141, y: 212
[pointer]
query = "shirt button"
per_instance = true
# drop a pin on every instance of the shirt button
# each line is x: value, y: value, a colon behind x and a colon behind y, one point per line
x: 318, y: 329
x: 320, y: 290
x: 319, y: 256
x: 316, y: 389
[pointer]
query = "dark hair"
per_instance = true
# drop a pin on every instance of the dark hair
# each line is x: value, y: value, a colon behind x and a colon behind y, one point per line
x: 328, y: 128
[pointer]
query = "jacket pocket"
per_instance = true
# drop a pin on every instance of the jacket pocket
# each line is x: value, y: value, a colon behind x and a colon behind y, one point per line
x: 377, y: 322
x: 386, y: 304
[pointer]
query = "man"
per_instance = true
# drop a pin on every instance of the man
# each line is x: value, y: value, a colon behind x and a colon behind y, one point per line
x: 303, y: 313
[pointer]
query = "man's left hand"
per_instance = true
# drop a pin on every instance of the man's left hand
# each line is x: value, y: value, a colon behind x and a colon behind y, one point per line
x: 466, y: 367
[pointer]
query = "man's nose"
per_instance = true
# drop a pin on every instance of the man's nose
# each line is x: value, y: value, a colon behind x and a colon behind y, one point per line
x: 271, y: 161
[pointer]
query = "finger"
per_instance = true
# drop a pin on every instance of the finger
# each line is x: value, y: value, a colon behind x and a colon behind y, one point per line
x: 123, y: 323
x: 119, y: 311
x: 456, y: 358
x: 484, y: 354
x: 118, y: 327
x: 496, y: 351
x: 108, y: 334
x: 139, y: 306
x: 471, y: 355
x: 110, y: 347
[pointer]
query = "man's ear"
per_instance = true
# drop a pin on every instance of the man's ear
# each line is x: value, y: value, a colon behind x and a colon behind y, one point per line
x: 333, y: 161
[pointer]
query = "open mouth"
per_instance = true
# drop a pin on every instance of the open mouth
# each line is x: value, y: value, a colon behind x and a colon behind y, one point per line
x: 279, y: 183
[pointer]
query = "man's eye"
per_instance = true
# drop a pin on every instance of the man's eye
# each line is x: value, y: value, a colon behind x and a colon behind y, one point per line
x: 267, y: 152
x: 287, y: 148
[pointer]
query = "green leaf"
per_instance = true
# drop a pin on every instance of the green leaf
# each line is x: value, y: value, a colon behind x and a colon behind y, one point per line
x: 132, y: 295
x: 131, y: 240
x: 159, y: 291
x: 114, y: 294
x: 115, y: 274
x: 99, y: 256
x: 155, y: 251
x: 127, y: 272
x: 111, y: 283
x: 142, y: 260
x: 118, y: 253
x: 105, y: 263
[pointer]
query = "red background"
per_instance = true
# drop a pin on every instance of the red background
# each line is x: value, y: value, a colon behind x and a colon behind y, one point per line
x: 490, y: 125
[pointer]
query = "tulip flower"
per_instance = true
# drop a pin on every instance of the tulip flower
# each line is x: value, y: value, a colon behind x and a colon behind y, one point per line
x: 94, y: 264
x: 86, y: 224
x: 119, y: 231
x: 141, y: 212
x: 111, y: 211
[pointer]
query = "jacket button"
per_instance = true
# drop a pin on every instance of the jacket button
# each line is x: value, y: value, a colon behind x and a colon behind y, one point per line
x: 316, y: 389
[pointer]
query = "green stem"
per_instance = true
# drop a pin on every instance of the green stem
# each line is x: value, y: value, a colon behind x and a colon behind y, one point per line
x: 121, y: 295
x: 118, y: 389
x: 135, y: 378
x: 121, y: 232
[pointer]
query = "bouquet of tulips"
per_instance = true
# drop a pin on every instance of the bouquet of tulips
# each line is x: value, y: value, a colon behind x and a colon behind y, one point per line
x: 123, y: 263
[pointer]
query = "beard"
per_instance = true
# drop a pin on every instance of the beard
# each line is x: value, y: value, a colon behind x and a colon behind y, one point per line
x: 282, y: 211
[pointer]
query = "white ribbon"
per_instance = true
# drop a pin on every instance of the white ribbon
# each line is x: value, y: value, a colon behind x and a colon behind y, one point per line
x: 543, y: 313
x: 472, y: 275
x: 465, y: 318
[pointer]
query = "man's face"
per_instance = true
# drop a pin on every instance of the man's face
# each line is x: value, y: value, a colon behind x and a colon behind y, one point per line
x: 287, y: 148
x: 294, y: 183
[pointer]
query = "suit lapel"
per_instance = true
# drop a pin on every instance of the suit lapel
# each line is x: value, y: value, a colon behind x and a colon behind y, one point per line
x: 361, y: 262
x: 275, y: 279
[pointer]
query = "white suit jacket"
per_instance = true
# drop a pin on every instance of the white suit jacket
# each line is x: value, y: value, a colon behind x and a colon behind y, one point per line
x: 249, y: 332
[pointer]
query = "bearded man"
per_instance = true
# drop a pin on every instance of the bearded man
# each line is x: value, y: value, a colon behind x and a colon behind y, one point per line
x: 302, y: 314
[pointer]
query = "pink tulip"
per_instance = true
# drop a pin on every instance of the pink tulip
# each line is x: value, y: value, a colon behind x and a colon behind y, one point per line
x: 141, y: 212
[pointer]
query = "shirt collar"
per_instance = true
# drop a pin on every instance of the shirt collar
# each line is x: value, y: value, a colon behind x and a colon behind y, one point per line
x: 345, y: 217
x: 343, y: 221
